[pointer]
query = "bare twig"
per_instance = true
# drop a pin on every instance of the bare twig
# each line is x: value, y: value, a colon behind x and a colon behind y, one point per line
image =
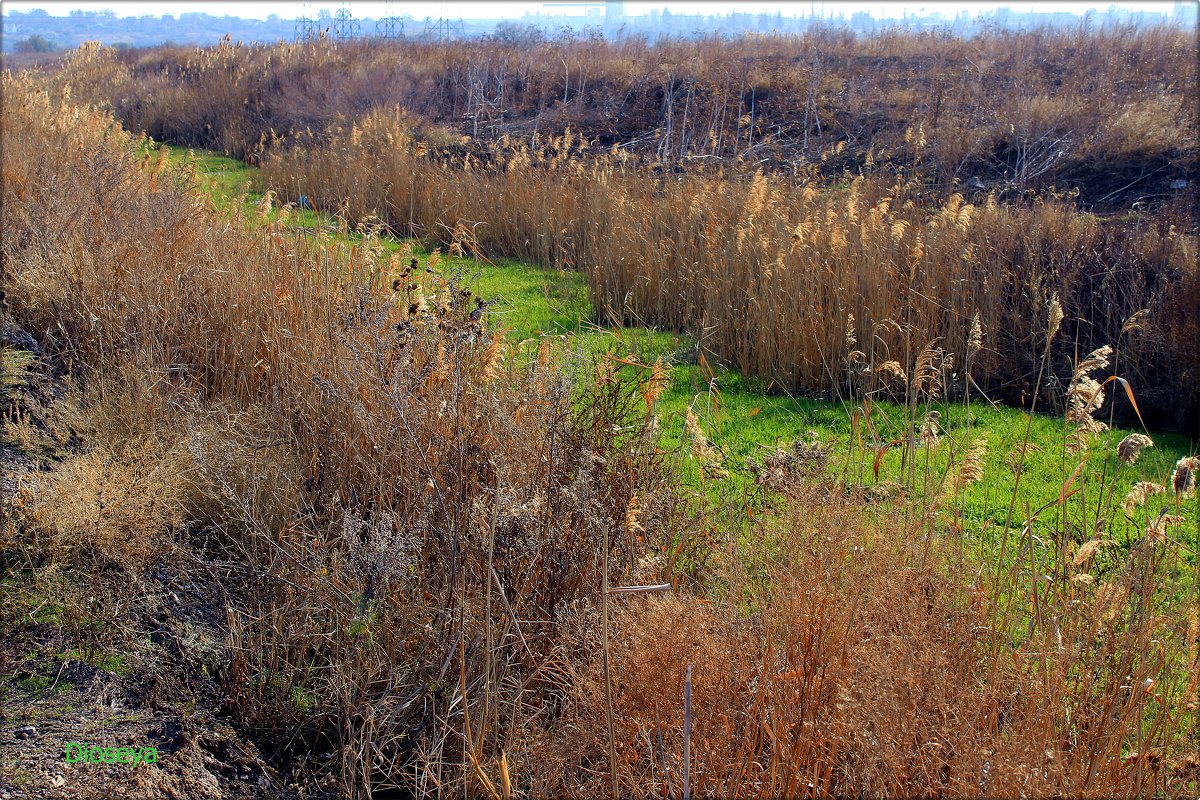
x: 687, y: 734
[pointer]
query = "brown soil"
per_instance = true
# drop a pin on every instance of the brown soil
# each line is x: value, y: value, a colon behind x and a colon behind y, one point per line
x: 148, y: 678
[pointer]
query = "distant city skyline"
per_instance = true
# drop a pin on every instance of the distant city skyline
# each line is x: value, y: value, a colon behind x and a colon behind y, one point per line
x: 472, y: 9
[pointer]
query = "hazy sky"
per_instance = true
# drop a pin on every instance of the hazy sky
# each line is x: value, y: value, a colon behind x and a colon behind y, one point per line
x: 466, y: 9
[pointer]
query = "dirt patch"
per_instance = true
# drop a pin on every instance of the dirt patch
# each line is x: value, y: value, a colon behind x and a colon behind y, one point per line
x: 91, y: 655
x: 195, y: 754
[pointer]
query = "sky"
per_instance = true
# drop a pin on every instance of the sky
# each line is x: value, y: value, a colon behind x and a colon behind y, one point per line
x: 473, y: 9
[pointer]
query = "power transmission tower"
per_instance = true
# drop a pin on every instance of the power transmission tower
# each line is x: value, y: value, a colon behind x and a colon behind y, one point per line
x: 443, y: 30
x: 306, y: 27
x: 390, y: 28
x: 344, y: 26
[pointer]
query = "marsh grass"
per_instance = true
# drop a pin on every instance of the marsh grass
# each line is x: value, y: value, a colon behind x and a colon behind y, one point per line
x: 1106, y: 109
x: 869, y: 214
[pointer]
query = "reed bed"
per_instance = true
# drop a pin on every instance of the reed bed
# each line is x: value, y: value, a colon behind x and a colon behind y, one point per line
x: 1108, y: 111
x: 699, y: 189
x: 788, y: 277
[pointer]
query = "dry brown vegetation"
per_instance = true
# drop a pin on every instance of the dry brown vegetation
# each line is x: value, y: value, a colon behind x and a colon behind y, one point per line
x: 1110, y: 112
x: 874, y: 668
x: 414, y: 518
x: 424, y: 530
x: 770, y: 271
x: 754, y: 234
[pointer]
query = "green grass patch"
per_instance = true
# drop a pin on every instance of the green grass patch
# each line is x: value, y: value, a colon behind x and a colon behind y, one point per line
x: 14, y: 366
x: 37, y: 684
x: 742, y: 422
x: 109, y: 661
x: 224, y: 178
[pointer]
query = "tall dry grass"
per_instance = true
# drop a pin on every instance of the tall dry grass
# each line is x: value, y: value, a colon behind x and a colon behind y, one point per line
x: 856, y: 216
x: 412, y: 509
x: 1108, y: 110
x: 769, y: 271
x: 875, y: 665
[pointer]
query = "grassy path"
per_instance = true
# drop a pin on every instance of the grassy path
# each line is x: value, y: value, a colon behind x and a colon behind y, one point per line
x: 740, y: 419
